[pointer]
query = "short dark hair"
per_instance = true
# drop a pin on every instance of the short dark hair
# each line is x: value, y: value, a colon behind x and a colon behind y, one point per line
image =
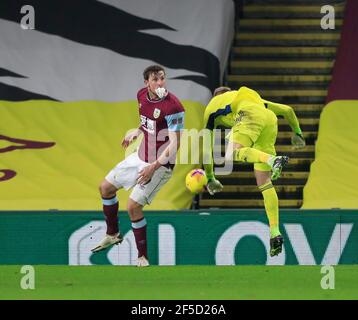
x: 221, y: 90
x: 152, y: 69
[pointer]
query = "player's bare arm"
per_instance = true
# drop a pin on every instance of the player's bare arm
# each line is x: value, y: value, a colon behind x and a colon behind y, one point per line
x: 130, y: 137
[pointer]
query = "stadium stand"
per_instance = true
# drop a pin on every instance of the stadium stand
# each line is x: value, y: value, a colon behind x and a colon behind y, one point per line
x: 72, y: 85
x: 281, y: 51
x: 345, y: 76
x: 332, y: 180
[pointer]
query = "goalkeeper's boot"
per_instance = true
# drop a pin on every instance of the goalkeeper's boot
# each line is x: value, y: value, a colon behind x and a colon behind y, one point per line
x: 108, y: 241
x: 277, y: 163
x: 142, y: 262
x: 276, y: 245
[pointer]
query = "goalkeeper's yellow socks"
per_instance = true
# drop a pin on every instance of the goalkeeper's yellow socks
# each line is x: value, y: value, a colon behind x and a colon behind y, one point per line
x: 247, y: 154
x: 271, y: 207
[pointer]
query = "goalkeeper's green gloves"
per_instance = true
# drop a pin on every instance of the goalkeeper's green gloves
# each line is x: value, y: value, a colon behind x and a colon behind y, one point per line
x: 298, y: 141
x: 214, y: 186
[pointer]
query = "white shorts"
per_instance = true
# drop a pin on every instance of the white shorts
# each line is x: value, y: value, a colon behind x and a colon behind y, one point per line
x: 125, y: 174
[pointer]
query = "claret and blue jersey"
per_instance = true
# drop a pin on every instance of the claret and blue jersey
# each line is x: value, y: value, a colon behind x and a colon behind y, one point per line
x: 158, y: 117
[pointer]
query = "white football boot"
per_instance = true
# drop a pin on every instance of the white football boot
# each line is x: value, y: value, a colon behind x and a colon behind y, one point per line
x: 142, y: 262
x: 108, y: 241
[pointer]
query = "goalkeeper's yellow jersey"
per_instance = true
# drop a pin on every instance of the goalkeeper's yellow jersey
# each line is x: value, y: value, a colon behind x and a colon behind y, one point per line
x: 224, y: 109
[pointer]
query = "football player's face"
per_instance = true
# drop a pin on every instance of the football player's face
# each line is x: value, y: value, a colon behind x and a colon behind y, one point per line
x: 155, y: 80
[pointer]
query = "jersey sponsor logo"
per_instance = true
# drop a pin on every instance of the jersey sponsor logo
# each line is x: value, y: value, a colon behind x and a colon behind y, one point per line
x: 150, y: 125
x: 147, y: 124
x: 156, y: 113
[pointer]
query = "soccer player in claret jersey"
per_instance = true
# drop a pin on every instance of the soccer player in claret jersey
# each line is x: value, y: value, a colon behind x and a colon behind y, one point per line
x: 146, y: 171
x: 253, y: 123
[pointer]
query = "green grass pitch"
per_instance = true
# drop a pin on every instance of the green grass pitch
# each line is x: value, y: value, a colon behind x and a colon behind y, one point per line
x: 179, y: 282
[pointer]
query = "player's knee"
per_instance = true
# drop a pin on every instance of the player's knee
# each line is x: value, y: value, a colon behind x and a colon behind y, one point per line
x: 102, y: 189
x: 133, y: 207
x: 134, y: 210
x: 105, y: 190
x: 262, y: 177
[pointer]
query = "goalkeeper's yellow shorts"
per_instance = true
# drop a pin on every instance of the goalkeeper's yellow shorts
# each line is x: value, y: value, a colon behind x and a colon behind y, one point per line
x: 256, y: 128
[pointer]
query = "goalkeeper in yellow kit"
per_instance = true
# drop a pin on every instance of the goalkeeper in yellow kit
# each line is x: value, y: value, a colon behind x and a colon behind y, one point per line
x: 253, y: 123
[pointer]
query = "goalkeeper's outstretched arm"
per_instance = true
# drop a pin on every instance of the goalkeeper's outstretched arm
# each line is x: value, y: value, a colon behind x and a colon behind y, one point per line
x: 208, y: 161
x: 288, y: 113
x: 213, y: 185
